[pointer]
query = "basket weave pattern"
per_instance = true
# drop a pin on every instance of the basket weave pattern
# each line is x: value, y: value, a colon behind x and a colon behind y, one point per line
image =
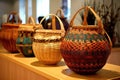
x: 25, y: 36
x: 46, y: 44
x: 24, y: 43
x: 47, y: 53
x: 85, y: 48
x: 9, y: 39
x: 10, y: 32
x: 85, y: 52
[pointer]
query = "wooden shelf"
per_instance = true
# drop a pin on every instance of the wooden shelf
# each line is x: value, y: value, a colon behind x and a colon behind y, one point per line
x: 17, y: 67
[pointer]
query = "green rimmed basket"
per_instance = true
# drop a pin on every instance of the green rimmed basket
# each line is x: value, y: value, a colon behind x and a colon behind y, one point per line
x: 25, y: 36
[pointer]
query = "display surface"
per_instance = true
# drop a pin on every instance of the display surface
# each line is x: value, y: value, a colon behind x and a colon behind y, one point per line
x: 54, y: 72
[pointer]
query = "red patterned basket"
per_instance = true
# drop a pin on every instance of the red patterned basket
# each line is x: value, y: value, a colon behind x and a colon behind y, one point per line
x: 85, y: 48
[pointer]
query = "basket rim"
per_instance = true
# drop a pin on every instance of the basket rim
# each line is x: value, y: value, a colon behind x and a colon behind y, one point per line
x: 49, y: 31
x: 86, y: 26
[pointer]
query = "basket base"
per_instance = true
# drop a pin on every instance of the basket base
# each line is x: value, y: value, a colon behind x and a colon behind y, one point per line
x: 26, y: 51
x: 10, y: 46
x: 11, y: 50
x: 85, y: 72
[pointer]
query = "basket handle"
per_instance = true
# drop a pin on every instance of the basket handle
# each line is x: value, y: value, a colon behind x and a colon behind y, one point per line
x: 14, y: 13
x: 61, y: 13
x: 53, y: 15
x: 108, y: 38
x: 100, y: 25
x: 31, y: 20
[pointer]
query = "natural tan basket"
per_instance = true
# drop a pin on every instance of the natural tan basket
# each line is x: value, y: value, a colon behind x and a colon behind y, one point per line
x: 46, y: 43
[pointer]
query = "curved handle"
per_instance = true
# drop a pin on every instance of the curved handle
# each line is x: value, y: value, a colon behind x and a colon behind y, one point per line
x: 60, y: 11
x: 31, y: 20
x: 108, y: 39
x: 61, y: 24
x: 32, y: 26
x: 14, y: 13
x: 100, y: 25
x: 72, y: 20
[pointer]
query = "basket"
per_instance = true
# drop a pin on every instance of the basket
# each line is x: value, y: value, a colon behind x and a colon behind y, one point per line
x: 10, y: 32
x: 85, y: 48
x: 46, y: 43
x: 25, y: 36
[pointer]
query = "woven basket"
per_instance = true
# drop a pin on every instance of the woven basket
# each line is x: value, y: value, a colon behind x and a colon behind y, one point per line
x: 10, y: 32
x: 46, y: 43
x: 85, y: 48
x: 25, y: 36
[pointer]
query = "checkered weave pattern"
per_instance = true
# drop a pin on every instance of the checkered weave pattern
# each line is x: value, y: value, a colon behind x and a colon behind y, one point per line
x: 85, y: 48
x: 85, y: 51
x: 24, y: 43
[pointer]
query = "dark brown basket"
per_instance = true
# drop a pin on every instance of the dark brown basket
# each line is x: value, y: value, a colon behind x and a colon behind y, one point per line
x: 85, y: 48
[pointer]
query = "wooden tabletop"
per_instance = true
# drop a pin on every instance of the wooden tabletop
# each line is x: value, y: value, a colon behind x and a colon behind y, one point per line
x: 59, y: 71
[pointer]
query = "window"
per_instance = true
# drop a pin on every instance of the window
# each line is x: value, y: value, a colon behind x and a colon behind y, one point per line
x: 29, y: 7
x: 22, y: 10
x: 42, y: 8
x: 66, y: 5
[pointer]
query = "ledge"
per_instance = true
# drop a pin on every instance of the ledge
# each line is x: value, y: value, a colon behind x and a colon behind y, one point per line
x: 59, y: 71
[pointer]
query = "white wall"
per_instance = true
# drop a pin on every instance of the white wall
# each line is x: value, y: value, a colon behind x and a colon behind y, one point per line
x: 16, y: 8
x: 34, y: 9
x: 5, y: 7
x: 16, y: 5
x: 75, y: 5
x: 55, y: 5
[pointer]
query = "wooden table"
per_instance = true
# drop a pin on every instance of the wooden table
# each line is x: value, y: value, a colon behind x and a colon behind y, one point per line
x: 17, y: 67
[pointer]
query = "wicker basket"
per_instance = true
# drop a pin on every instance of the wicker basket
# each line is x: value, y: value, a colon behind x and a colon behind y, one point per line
x: 25, y: 36
x: 10, y: 32
x: 86, y: 48
x: 46, y: 43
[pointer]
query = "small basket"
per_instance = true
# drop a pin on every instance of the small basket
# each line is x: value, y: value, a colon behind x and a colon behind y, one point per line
x: 9, y: 32
x: 46, y: 43
x: 25, y: 36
